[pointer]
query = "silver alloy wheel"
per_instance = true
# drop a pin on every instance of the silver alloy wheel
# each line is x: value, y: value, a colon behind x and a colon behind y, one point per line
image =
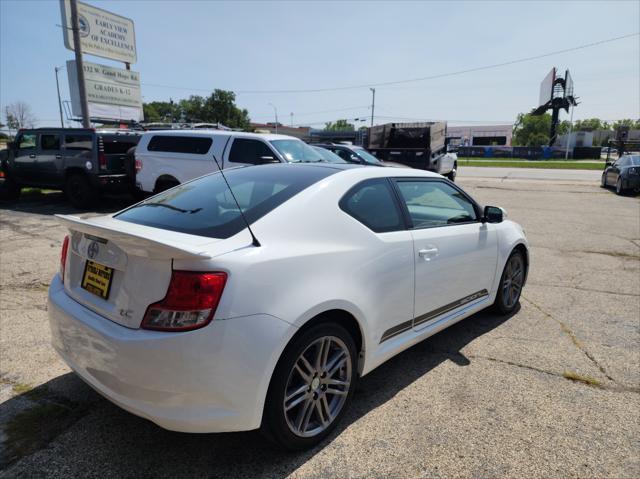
x: 318, y: 386
x: 619, y: 186
x: 513, y: 278
x: 603, y: 182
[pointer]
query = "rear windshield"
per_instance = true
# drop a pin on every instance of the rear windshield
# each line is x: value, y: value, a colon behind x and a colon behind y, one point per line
x: 118, y: 145
x: 205, y: 207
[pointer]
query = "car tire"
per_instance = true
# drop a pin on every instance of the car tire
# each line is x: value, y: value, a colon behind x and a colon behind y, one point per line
x: 313, y: 410
x: 452, y: 174
x: 619, y: 189
x: 511, y: 283
x: 9, y: 190
x: 79, y: 192
x: 603, y: 181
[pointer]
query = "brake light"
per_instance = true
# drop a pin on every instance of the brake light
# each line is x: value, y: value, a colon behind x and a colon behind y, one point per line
x: 63, y: 256
x: 138, y: 165
x: 102, y: 160
x: 190, y: 302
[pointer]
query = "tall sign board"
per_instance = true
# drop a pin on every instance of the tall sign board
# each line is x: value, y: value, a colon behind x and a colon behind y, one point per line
x: 546, y: 88
x: 102, y: 33
x: 111, y: 92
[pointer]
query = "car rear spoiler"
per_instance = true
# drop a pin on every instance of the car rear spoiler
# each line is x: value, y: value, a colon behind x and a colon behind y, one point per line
x: 132, y: 241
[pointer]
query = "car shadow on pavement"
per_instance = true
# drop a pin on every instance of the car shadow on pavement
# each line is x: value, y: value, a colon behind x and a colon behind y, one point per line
x: 55, y: 202
x: 112, y: 442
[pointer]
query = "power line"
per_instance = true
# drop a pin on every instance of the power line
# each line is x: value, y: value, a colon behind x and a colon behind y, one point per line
x: 412, y: 80
x: 318, y: 112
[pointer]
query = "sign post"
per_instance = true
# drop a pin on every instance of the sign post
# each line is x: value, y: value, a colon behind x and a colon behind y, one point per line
x: 86, y: 123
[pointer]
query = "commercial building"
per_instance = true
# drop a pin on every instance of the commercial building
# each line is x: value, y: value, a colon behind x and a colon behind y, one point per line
x: 480, y: 135
x: 301, y: 132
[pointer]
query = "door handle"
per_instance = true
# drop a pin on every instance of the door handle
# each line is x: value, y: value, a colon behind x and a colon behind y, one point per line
x: 428, y: 253
x: 32, y: 155
x: 58, y: 157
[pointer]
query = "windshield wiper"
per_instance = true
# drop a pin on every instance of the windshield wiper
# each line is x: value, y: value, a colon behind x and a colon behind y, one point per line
x: 171, y: 207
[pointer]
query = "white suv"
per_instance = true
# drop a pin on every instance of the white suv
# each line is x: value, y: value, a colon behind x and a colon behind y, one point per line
x: 165, y: 159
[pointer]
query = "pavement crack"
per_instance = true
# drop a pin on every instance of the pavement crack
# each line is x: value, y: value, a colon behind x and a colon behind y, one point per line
x: 574, y: 339
x: 580, y: 288
x: 570, y: 376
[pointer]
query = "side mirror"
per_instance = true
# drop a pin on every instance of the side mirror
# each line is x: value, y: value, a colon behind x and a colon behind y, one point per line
x: 493, y: 214
x: 608, y: 163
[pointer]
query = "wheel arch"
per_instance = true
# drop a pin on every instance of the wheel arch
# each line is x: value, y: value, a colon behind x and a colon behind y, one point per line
x: 74, y: 170
x: 522, y: 248
x: 165, y: 178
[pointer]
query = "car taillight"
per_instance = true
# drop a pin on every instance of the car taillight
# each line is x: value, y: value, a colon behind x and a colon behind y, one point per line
x: 102, y: 160
x: 63, y: 256
x: 138, y: 165
x: 190, y: 302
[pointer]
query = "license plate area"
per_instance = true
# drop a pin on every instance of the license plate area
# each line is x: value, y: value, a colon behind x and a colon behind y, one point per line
x: 96, y: 279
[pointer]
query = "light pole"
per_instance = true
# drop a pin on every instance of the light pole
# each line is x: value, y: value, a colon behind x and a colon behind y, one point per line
x: 566, y: 153
x: 275, y: 110
x: 373, y: 103
x: 291, y: 119
x: 57, y: 69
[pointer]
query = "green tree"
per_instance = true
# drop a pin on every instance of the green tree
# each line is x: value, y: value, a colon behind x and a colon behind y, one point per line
x: 633, y: 124
x: 590, y: 124
x: 219, y: 107
x: 161, y: 111
x: 339, y: 125
x: 531, y: 130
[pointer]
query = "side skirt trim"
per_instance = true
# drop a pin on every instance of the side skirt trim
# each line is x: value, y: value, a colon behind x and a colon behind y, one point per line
x: 407, y: 325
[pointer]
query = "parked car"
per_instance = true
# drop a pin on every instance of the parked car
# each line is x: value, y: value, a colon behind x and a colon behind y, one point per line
x: 357, y: 155
x: 165, y: 159
x: 608, y: 152
x: 202, y: 317
x: 82, y: 162
x: 623, y: 173
x: 328, y: 156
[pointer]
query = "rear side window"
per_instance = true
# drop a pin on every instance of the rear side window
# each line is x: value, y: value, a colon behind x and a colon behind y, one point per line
x: 27, y: 140
x: 373, y: 204
x: 205, y: 207
x: 49, y: 142
x: 253, y: 152
x: 78, y: 142
x: 196, y: 145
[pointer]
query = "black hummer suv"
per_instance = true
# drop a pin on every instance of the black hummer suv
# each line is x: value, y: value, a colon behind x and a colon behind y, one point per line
x: 82, y: 162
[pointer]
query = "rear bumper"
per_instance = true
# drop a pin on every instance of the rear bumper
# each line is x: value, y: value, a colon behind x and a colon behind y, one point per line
x: 210, y: 380
x: 631, y: 182
x: 112, y: 183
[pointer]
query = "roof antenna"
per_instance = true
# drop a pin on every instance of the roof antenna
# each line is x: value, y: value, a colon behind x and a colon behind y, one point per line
x: 255, y: 241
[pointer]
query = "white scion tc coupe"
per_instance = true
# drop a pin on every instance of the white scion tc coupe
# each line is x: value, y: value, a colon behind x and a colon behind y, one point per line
x: 178, y: 312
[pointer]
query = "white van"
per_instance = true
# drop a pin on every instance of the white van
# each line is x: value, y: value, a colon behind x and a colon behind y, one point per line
x: 165, y: 159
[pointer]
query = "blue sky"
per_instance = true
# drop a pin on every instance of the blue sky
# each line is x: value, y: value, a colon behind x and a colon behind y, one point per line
x: 196, y: 46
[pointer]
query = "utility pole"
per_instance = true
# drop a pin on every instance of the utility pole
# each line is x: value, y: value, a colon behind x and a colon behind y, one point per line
x: 566, y: 153
x: 291, y: 119
x: 373, y: 103
x: 57, y: 69
x: 86, y: 123
x: 275, y: 110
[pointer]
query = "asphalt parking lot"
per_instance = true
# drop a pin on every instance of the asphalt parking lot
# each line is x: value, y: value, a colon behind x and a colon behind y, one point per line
x: 552, y: 391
